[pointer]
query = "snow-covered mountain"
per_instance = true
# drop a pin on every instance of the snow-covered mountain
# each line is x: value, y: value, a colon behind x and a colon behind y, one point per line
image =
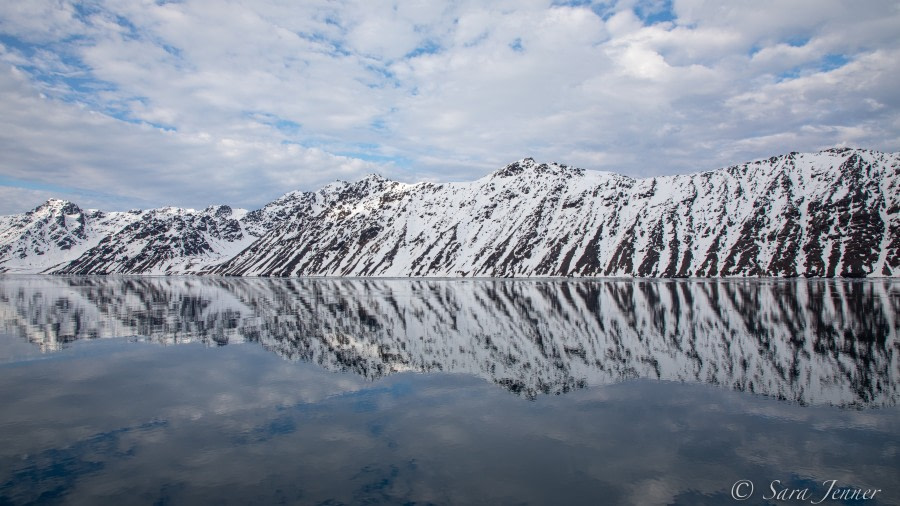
x: 60, y: 237
x: 810, y: 341
x: 826, y: 214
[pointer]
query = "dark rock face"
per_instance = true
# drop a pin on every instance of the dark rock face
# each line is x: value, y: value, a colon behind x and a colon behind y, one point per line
x: 834, y: 213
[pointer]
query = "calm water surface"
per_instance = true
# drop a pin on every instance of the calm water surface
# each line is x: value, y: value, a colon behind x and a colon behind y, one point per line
x: 182, y: 390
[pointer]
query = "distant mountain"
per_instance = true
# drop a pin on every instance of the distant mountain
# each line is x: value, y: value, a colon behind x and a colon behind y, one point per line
x: 826, y: 214
x: 60, y: 237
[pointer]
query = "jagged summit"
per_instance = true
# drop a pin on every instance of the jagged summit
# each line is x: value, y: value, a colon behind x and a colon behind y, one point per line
x: 374, y: 177
x: 53, y: 205
x: 530, y: 166
x: 825, y: 214
x: 54, y: 202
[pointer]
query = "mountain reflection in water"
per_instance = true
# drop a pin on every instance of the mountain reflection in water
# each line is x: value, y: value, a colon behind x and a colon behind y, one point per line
x: 808, y: 341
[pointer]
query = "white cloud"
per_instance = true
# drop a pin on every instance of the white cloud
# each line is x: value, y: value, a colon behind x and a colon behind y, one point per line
x: 200, y: 102
x: 79, y: 151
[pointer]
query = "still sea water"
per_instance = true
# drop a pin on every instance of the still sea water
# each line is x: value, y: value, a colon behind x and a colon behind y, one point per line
x: 190, y: 390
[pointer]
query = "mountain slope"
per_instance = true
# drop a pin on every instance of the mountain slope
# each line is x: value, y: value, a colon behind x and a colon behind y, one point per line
x: 165, y: 241
x: 53, y: 234
x: 833, y: 213
x: 826, y: 214
x: 60, y: 237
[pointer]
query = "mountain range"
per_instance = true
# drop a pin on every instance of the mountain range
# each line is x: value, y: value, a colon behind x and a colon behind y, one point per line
x: 835, y: 213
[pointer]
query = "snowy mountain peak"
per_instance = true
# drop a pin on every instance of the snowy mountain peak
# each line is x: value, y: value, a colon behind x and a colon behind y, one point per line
x: 530, y: 167
x: 57, y: 206
x: 372, y: 182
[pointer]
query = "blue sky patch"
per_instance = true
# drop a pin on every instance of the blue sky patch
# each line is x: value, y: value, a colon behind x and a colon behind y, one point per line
x: 378, y: 124
x: 655, y: 13
x: 383, y: 75
x: 827, y: 63
x: 428, y: 47
x: 124, y: 115
x: 571, y: 3
x: 832, y: 61
x: 797, y: 41
x: 287, y: 126
x: 16, y: 44
x: 603, y: 11
x: 334, y: 47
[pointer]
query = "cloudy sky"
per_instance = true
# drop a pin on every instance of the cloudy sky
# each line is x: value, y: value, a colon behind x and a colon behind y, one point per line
x: 123, y: 103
